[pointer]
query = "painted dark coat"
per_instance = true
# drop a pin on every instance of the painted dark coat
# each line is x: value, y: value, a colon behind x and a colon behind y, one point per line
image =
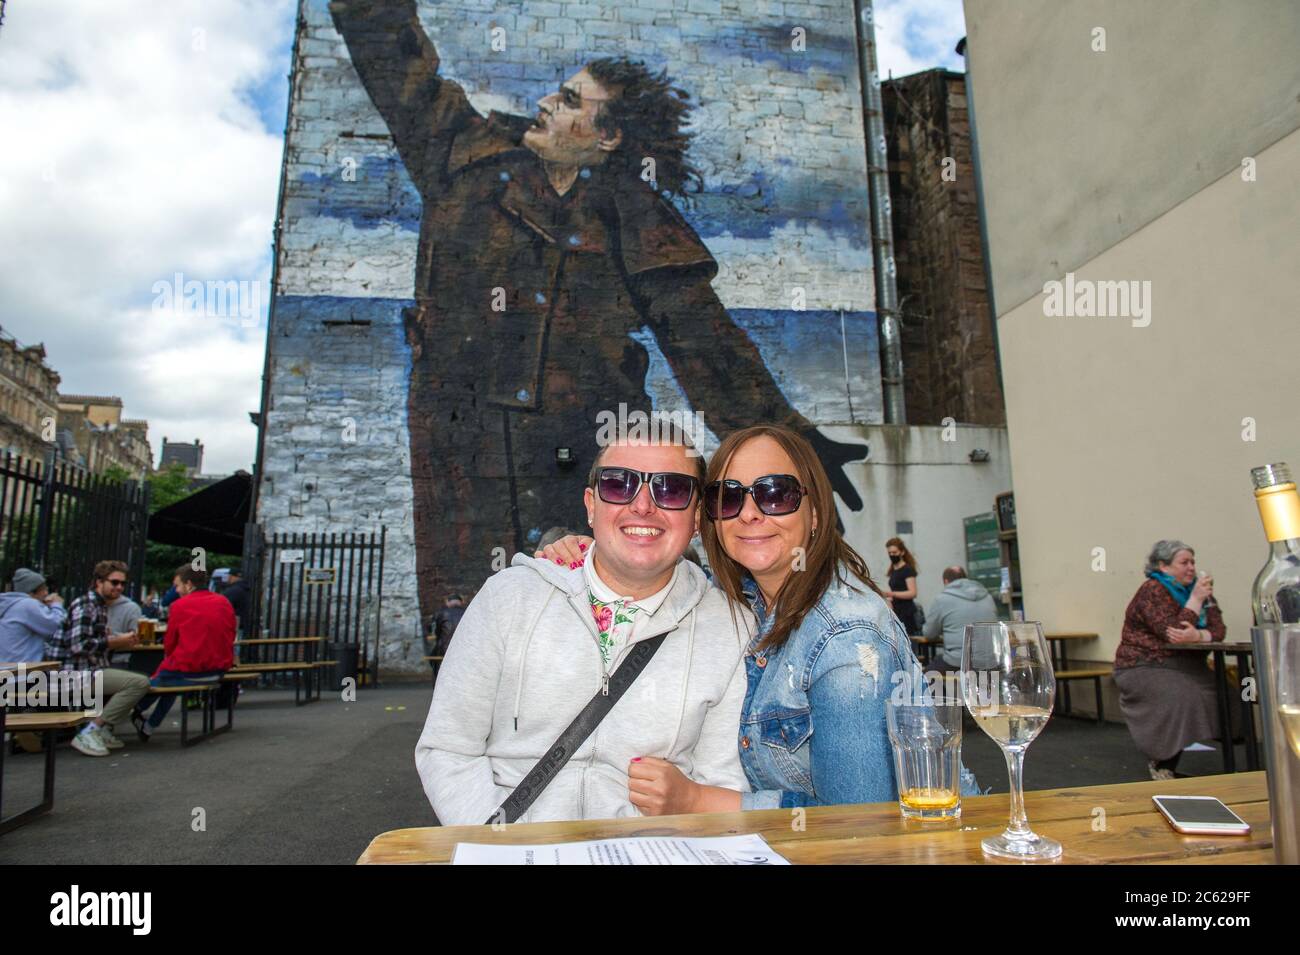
x: 495, y: 392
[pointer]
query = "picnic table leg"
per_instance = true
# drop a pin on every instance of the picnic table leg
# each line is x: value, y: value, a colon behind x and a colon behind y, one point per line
x: 1065, y: 665
x: 1225, y: 713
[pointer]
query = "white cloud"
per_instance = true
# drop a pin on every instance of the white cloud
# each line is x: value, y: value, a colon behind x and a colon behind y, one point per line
x: 134, y: 151
x: 915, y: 35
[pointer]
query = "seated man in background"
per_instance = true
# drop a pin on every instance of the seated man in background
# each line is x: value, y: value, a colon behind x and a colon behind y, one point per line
x: 29, y: 615
x: 124, y: 614
x: 963, y: 601
x: 199, y: 645
x: 84, y: 645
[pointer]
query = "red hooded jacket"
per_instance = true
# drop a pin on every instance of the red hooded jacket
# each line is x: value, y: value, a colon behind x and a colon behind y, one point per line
x: 200, y: 634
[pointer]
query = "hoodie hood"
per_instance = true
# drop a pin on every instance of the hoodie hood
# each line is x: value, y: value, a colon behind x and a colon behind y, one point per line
x: 967, y: 589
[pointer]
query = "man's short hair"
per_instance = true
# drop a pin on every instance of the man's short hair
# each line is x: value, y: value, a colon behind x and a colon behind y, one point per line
x: 955, y: 572
x: 106, y: 567
x: 188, y: 575
x: 680, y: 439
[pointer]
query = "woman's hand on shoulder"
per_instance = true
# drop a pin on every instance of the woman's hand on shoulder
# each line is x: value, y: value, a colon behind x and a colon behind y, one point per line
x: 571, y: 550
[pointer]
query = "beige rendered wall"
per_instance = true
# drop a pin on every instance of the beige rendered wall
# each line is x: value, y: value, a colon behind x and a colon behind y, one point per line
x: 1079, y: 149
x: 923, y: 475
x: 1122, y: 435
x: 1127, y: 165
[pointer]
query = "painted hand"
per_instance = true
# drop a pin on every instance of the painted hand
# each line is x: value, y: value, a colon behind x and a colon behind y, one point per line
x: 834, y: 455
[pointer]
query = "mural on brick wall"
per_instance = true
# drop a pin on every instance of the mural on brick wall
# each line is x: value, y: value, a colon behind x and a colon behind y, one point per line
x: 562, y: 270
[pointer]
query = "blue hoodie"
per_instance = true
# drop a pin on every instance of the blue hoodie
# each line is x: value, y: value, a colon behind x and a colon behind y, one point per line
x: 25, y: 624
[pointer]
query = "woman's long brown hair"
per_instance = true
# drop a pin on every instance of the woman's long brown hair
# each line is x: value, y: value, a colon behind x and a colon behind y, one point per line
x: 908, y: 559
x: 826, y: 553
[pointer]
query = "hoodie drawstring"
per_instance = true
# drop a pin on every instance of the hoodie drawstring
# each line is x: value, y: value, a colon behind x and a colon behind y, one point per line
x: 523, y: 654
x: 690, y: 657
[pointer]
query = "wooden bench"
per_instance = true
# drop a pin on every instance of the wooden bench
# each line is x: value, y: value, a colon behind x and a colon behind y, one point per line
x: 297, y: 669
x: 203, y: 692
x: 1096, y: 675
x: 48, y: 724
x: 1065, y: 674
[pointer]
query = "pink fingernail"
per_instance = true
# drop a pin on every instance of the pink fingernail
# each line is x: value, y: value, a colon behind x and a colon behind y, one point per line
x: 558, y: 561
x: 573, y: 565
x: 581, y: 545
x: 636, y: 759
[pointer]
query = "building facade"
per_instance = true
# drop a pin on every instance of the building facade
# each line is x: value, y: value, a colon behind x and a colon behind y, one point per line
x: 1138, y: 169
x: 28, y: 400
x: 949, y: 345
x: 446, y: 332
x: 94, y: 435
x: 189, y: 456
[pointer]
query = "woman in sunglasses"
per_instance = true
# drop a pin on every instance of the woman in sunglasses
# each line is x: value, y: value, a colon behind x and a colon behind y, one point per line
x: 823, y: 659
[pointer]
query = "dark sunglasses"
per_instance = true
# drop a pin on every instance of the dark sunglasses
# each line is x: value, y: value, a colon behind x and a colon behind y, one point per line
x: 668, y: 489
x: 115, y: 583
x: 774, y: 495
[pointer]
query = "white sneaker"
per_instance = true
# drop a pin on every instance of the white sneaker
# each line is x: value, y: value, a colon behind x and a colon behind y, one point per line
x: 88, y: 744
x: 1159, y: 775
x: 106, y: 736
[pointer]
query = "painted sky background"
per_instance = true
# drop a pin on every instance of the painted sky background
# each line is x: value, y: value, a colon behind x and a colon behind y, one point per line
x: 145, y: 140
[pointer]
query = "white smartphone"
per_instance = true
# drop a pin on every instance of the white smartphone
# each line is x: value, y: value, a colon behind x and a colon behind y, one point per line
x: 1200, y: 815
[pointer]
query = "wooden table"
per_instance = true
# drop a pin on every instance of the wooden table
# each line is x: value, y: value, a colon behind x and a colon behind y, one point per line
x: 1134, y: 831
x: 925, y: 647
x: 1242, y: 650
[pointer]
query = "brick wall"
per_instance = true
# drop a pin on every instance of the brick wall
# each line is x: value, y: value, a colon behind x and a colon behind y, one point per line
x: 948, y: 346
x: 784, y: 208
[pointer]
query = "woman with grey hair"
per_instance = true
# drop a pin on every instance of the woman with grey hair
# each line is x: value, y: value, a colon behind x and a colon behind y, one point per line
x: 1167, y: 696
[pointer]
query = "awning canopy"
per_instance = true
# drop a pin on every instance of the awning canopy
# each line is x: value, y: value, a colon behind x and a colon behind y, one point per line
x: 212, y: 518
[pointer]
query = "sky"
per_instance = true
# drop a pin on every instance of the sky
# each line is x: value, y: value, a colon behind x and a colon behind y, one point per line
x: 142, y: 155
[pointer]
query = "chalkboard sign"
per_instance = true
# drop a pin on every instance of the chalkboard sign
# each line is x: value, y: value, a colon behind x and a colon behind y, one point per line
x: 1006, y: 505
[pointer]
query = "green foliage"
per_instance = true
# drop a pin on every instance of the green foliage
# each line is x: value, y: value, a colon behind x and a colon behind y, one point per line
x: 168, y: 486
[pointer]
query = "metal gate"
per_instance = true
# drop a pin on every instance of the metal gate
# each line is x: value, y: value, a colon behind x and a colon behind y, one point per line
x: 57, y: 518
x: 317, y: 585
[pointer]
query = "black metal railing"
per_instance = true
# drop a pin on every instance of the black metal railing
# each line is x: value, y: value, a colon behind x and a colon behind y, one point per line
x: 60, y: 520
x: 316, y: 585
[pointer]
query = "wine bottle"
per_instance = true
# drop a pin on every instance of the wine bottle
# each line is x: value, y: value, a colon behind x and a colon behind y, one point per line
x: 1276, y: 595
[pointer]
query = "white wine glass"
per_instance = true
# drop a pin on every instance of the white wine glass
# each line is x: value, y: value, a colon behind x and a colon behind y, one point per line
x: 1009, y: 688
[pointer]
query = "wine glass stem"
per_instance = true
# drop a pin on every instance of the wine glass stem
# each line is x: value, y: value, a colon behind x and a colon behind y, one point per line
x: 1015, y: 770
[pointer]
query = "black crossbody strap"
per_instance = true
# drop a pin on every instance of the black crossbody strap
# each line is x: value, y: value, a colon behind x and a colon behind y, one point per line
x: 540, y: 776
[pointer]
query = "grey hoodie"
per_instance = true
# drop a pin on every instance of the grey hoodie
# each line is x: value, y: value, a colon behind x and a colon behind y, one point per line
x: 525, y: 662
x: 962, y: 601
x: 25, y: 624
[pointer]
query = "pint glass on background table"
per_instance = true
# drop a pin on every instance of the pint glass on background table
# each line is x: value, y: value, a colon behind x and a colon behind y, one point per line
x: 926, y: 735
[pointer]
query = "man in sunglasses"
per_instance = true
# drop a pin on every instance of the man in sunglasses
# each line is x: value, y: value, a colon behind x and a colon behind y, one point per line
x: 543, y: 638
x: 84, y: 645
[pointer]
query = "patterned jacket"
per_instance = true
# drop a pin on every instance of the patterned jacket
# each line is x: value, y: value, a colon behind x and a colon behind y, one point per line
x: 82, y: 642
x: 1151, y: 610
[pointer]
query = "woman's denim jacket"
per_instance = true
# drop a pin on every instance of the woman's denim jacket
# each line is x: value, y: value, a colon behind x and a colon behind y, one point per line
x: 812, y: 730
